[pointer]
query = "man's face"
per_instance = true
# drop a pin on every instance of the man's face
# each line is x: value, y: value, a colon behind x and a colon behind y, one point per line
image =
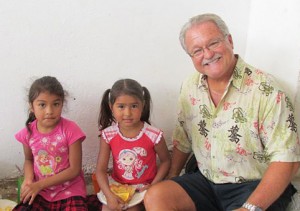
x: 211, y: 51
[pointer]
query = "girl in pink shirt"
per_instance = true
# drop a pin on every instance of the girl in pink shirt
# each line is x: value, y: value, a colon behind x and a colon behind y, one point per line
x: 126, y: 133
x: 53, y: 178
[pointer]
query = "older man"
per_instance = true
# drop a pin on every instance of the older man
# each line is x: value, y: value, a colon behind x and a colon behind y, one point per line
x: 239, y: 124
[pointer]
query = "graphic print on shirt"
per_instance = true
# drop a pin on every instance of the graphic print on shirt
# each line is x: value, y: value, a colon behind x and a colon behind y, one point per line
x: 239, y: 115
x: 205, y: 112
x: 45, y: 163
x: 128, y: 160
x: 48, y: 156
x: 266, y: 88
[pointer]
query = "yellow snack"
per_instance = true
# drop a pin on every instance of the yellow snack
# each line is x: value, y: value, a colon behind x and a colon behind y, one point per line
x: 124, y: 192
x: 7, y: 208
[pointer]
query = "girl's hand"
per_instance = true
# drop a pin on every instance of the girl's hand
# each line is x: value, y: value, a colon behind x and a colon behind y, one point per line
x: 114, y: 203
x: 141, y: 188
x: 25, y: 183
x: 30, y: 191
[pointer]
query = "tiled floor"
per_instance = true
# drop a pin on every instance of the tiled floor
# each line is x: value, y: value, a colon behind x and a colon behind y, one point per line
x: 9, y: 188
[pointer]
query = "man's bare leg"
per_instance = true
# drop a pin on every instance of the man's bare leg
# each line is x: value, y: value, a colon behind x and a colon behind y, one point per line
x: 167, y: 196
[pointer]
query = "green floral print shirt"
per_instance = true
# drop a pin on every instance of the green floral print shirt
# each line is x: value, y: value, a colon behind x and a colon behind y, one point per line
x: 235, y: 141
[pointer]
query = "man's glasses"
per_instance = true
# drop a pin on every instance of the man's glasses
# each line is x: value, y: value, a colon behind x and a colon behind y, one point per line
x: 199, y: 52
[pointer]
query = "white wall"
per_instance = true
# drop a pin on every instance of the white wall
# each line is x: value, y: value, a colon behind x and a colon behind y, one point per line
x: 273, y: 42
x: 89, y: 44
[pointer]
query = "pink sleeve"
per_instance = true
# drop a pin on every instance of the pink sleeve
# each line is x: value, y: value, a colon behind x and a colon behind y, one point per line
x: 73, y: 132
x: 22, y: 136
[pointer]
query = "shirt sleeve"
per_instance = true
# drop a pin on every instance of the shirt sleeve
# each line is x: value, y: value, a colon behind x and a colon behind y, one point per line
x: 181, y: 139
x: 73, y: 132
x: 279, y: 130
x: 22, y: 136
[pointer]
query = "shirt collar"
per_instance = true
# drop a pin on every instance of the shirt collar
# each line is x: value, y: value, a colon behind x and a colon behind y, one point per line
x: 239, y: 72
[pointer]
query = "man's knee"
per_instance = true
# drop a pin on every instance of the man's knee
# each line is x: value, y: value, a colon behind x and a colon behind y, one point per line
x: 152, y: 194
x: 156, y: 196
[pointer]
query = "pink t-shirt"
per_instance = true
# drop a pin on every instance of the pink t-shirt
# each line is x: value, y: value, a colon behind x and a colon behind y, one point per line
x: 51, y: 156
x: 134, y: 159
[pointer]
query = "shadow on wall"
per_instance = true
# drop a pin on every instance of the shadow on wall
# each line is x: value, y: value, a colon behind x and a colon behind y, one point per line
x: 12, y: 172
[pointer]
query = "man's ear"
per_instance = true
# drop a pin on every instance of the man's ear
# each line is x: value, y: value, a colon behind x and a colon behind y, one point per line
x: 229, y: 37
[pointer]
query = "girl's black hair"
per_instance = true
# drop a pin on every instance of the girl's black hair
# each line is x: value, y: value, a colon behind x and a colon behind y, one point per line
x: 44, y: 84
x: 123, y: 87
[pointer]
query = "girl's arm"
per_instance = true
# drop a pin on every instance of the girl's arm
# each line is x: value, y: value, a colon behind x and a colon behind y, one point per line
x: 75, y: 160
x: 28, y: 167
x: 102, y: 178
x: 165, y: 161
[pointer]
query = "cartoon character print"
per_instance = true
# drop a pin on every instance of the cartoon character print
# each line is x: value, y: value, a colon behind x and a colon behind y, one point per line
x: 128, y: 161
x: 48, y: 157
x: 45, y: 163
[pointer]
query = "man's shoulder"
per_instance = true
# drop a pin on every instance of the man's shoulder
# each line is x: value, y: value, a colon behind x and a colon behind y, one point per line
x: 258, y: 76
x: 192, y: 79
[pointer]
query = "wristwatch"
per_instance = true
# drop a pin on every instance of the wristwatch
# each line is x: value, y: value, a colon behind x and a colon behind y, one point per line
x: 251, y: 207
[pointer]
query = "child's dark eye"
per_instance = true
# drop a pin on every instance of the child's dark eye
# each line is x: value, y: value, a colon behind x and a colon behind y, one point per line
x: 56, y: 104
x: 42, y: 105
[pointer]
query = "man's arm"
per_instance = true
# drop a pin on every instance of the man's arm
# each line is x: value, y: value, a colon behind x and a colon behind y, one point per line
x: 273, y: 183
x: 177, y: 163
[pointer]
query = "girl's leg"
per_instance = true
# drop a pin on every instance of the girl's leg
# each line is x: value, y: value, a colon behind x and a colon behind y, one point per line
x: 138, y: 207
x: 105, y: 208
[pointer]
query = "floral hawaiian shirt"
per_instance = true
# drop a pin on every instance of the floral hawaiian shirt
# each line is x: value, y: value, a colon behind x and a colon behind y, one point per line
x: 253, y: 125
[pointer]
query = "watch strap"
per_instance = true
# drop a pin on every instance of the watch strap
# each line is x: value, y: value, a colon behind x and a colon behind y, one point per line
x: 251, y: 207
